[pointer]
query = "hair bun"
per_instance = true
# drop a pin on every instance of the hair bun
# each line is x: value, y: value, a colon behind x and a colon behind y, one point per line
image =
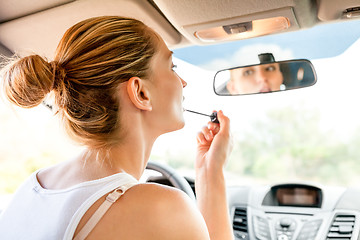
x: 28, y: 80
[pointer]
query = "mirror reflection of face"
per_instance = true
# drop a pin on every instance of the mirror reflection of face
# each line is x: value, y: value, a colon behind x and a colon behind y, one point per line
x: 255, y: 79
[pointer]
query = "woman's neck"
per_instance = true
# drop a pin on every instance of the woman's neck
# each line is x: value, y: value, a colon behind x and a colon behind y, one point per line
x: 130, y: 156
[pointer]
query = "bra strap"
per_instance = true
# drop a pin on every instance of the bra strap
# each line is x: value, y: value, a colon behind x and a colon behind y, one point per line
x: 99, y: 213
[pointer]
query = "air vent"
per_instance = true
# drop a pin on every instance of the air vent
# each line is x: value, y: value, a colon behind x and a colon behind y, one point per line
x: 240, y: 225
x: 342, y: 227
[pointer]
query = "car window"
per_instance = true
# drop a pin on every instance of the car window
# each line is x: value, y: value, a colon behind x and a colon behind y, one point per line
x: 30, y: 138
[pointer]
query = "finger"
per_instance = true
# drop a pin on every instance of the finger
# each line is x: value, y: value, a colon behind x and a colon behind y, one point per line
x: 213, y: 127
x: 201, y: 138
x: 224, y: 121
x: 207, y: 133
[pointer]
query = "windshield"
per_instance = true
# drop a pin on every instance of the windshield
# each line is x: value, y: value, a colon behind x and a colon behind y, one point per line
x: 311, y: 134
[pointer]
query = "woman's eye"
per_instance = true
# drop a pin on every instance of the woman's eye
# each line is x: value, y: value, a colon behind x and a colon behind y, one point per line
x: 271, y: 68
x: 173, y: 67
x: 248, y: 72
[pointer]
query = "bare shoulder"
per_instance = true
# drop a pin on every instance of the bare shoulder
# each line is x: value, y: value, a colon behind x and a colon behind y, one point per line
x: 151, y: 211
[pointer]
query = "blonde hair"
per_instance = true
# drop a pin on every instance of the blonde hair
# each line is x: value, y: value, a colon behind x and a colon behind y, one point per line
x: 92, y: 59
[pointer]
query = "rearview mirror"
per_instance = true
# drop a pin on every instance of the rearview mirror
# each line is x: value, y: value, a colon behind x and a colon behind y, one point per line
x: 264, y: 78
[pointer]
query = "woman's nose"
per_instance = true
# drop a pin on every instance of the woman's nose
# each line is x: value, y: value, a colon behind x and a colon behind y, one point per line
x: 261, y: 76
x: 183, y: 82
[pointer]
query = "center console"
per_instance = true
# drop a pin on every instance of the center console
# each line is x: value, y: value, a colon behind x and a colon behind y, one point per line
x: 292, y: 211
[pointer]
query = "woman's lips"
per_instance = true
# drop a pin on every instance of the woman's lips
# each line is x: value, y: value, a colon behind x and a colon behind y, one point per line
x: 265, y: 90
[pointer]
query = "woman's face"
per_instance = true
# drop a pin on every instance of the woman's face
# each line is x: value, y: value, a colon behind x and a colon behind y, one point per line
x: 255, y: 79
x: 166, y: 90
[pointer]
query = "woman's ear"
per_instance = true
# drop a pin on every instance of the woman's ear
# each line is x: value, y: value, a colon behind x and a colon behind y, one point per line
x: 139, y: 94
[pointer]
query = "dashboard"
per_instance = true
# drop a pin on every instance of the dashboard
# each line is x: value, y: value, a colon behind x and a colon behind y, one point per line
x: 294, y: 211
x: 291, y: 211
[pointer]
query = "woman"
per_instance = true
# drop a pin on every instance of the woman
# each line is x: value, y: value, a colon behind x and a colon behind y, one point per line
x: 115, y: 90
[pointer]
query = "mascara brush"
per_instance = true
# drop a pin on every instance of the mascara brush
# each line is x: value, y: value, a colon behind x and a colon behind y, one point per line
x: 213, y: 116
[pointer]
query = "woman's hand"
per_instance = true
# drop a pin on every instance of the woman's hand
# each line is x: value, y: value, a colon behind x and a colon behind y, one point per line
x: 214, y: 145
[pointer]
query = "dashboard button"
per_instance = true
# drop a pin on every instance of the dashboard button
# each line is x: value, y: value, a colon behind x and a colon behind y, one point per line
x: 285, y: 222
x: 309, y: 230
x: 261, y: 228
x: 283, y: 237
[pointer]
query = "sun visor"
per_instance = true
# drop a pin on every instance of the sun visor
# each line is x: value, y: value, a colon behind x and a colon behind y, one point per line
x: 12, y: 9
x: 42, y: 31
x: 334, y: 9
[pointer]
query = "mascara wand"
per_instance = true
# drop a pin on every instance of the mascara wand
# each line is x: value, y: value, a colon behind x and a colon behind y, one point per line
x: 213, y: 116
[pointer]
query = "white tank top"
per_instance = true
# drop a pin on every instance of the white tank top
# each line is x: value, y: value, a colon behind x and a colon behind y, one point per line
x: 38, y: 213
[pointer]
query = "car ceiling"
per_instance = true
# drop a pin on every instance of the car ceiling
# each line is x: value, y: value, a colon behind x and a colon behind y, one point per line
x: 37, y: 26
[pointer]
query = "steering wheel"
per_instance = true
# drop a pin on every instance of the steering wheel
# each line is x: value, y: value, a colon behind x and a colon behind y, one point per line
x: 175, y: 179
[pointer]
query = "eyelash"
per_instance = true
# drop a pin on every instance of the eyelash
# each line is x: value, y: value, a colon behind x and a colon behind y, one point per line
x: 173, y: 67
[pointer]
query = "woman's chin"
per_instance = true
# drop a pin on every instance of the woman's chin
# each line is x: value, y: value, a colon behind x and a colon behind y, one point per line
x: 180, y: 125
x: 177, y: 126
